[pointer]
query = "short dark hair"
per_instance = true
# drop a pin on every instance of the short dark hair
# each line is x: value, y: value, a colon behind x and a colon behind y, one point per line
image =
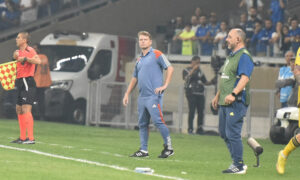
x: 25, y: 35
x: 268, y: 19
x: 196, y: 58
x: 188, y: 24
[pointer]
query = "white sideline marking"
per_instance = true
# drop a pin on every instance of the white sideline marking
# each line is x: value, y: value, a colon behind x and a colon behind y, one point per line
x: 84, y: 161
x: 111, y: 154
x: 118, y: 155
x: 107, y: 153
x: 86, y: 149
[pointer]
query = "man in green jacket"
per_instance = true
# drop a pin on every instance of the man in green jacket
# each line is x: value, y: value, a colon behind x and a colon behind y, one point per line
x: 233, y: 98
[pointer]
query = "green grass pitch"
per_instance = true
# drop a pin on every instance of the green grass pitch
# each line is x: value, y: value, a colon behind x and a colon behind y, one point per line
x: 196, y: 157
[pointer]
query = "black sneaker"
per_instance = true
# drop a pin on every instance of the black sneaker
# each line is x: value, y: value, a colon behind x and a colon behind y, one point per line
x: 27, y: 141
x: 200, y: 131
x: 19, y: 141
x: 190, y: 131
x: 140, y: 153
x: 235, y: 170
x: 166, y: 152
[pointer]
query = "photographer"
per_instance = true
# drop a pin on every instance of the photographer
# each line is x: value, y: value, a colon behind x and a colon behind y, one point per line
x: 194, y: 90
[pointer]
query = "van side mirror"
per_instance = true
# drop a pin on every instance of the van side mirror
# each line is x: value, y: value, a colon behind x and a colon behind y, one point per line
x: 101, y: 65
x: 94, y: 73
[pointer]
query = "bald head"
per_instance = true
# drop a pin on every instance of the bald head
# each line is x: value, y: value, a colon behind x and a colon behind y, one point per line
x: 236, y: 39
x: 240, y: 33
x: 288, y: 56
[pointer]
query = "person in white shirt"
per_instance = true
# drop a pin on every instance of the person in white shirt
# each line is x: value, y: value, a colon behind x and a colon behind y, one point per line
x: 220, y: 40
x: 276, y: 40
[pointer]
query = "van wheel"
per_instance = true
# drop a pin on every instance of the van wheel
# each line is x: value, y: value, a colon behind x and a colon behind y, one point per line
x: 277, y: 134
x: 78, y: 114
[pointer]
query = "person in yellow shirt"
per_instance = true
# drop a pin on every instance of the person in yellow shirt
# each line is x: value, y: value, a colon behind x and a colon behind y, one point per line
x: 295, y: 141
x: 187, y: 36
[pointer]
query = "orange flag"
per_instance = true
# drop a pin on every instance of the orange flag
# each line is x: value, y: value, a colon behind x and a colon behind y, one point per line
x: 8, y: 74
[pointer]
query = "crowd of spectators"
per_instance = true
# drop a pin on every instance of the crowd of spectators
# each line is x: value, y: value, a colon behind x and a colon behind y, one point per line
x: 19, y: 12
x: 268, y: 31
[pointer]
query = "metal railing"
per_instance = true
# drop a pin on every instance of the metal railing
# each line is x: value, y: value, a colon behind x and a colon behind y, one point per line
x: 105, y: 108
x: 270, y: 109
x: 177, y: 57
x: 104, y: 104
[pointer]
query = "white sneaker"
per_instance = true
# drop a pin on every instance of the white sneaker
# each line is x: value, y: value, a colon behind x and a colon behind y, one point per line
x: 27, y: 141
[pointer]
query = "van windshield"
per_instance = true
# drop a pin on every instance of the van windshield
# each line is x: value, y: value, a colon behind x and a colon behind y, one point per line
x: 66, y: 58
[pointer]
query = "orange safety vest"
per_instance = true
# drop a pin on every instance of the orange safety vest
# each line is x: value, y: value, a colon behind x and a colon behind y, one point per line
x: 42, y: 74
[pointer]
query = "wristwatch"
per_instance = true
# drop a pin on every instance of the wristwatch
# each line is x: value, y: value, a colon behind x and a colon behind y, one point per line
x: 233, y: 94
x: 23, y: 62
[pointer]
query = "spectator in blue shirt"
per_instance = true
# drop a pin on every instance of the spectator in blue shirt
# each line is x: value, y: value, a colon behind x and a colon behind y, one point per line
x: 202, y: 35
x: 10, y: 16
x: 256, y: 40
x: 2, y: 9
x: 285, y: 74
x: 294, y: 35
x: 214, y: 28
x: 262, y: 37
x: 269, y: 26
x: 268, y: 31
x: 277, y: 10
x: 249, y: 28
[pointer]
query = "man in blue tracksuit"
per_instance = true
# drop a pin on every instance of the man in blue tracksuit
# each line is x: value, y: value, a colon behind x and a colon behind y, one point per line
x: 148, y: 74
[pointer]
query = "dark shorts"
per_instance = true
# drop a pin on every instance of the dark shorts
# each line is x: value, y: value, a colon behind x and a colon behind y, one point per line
x: 26, y: 91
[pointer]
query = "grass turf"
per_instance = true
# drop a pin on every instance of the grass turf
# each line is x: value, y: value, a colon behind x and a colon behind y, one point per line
x: 196, y: 157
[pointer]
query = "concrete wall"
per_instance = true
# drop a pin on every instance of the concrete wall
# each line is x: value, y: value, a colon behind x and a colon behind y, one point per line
x: 262, y: 78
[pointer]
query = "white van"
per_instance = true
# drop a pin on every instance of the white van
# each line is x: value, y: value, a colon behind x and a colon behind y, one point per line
x: 75, y: 60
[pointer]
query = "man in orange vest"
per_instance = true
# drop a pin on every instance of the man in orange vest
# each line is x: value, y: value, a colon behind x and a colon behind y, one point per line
x: 42, y: 79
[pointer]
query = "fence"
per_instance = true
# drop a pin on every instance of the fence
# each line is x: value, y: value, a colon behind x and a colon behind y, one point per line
x: 260, y: 114
x: 174, y: 49
x: 104, y: 105
x: 105, y: 108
